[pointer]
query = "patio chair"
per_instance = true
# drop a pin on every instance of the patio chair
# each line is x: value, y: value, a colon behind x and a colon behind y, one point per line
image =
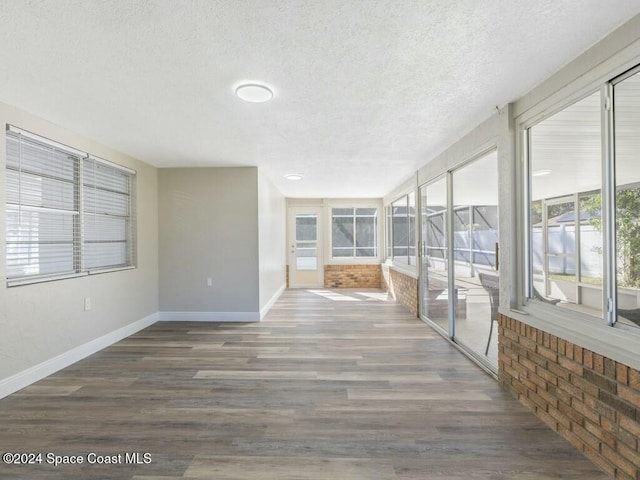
x: 491, y: 284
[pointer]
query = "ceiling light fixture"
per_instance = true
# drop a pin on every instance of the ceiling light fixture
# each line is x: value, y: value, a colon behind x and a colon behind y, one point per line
x: 254, y: 93
x: 541, y: 173
x: 293, y: 176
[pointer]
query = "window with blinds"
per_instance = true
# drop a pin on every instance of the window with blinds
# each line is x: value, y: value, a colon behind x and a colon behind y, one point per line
x: 68, y: 213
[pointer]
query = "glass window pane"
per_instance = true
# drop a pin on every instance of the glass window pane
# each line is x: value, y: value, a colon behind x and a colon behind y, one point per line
x: 306, y: 227
x: 366, y: 232
x: 411, y: 212
x: 433, y: 263
x: 342, y: 236
x: 353, y: 232
x: 590, y: 239
x: 627, y: 144
x: 565, y: 169
x: 400, y: 222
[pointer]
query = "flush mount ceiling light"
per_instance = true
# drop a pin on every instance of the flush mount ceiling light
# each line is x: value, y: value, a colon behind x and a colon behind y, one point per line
x: 254, y: 93
x: 293, y: 176
x: 541, y: 173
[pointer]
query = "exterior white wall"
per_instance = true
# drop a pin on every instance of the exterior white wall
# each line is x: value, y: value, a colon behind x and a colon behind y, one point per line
x: 42, y: 322
x: 209, y: 229
x: 272, y: 224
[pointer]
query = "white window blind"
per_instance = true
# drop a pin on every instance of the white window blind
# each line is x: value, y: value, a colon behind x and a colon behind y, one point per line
x: 107, y: 202
x: 67, y: 213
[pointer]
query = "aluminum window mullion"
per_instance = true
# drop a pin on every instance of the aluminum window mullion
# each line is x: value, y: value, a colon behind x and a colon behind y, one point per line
x: 528, y: 231
x: 608, y: 206
x: 451, y: 258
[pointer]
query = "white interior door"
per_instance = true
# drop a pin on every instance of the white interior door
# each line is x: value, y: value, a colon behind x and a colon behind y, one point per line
x: 305, y: 249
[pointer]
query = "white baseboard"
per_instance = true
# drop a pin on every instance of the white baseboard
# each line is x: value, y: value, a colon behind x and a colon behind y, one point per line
x: 272, y: 301
x: 31, y: 375
x: 219, y: 317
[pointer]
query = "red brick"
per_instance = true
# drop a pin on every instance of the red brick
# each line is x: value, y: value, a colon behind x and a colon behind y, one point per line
x: 587, y: 387
x: 629, y: 425
x: 604, y: 465
x: 634, y: 378
x: 575, y: 417
x: 577, y: 353
x: 562, y: 345
x: 571, y: 365
x: 551, y: 399
x: 538, y: 400
x: 585, y: 436
x: 558, y: 371
x: 561, y: 418
x: 621, y: 436
x: 598, y: 363
x: 569, y: 351
x: 540, y: 382
x: 585, y: 411
x: 559, y: 394
x: 630, y: 395
x: 548, y: 354
x: 609, y: 368
x: 527, y: 343
x: 600, y: 434
x: 629, y: 454
x: 587, y: 358
x: 547, y: 375
x: 622, y: 373
x: 619, y: 461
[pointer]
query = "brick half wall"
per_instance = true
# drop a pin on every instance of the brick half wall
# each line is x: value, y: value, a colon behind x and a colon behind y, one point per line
x: 352, y: 276
x: 591, y: 400
x: 403, y: 288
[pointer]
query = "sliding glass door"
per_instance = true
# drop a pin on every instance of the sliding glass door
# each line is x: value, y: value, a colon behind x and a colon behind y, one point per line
x: 459, y: 288
x: 475, y: 231
x: 434, y: 269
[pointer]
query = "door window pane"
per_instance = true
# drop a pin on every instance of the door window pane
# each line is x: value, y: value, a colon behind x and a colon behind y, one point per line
x: 306, y: 242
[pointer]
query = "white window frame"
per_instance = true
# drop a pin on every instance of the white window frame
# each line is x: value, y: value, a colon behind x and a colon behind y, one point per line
x: 590, y: 332
x: 79, y: 241
x: 402, y: 262
x: 354, y: 216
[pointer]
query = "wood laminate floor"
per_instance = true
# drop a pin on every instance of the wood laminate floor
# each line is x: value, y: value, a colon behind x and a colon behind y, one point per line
x: 333, y: 384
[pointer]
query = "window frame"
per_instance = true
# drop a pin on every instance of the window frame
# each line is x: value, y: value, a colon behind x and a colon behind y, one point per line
x: 78, y: 255
x: 354, y: 248
x: 523, y: 301
x: 410, y: 263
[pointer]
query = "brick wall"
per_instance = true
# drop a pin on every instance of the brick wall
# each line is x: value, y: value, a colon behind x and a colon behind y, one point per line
x: 352, y: 276
x: 403, y: 288
x: 591, y: 400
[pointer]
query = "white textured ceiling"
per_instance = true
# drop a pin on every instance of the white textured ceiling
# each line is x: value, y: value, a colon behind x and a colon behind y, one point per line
x: 365, y: 91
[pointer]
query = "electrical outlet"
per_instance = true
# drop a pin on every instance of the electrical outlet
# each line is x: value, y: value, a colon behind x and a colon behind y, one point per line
x: 87, y: 303
x: 209, y: 282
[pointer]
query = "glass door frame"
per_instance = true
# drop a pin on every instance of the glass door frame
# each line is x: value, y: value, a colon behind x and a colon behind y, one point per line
x: 450, y: 257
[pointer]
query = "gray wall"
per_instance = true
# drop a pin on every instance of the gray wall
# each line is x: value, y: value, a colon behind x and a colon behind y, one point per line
x: 41, y: 321
x: 208, y: 229
x: 272, y: 212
